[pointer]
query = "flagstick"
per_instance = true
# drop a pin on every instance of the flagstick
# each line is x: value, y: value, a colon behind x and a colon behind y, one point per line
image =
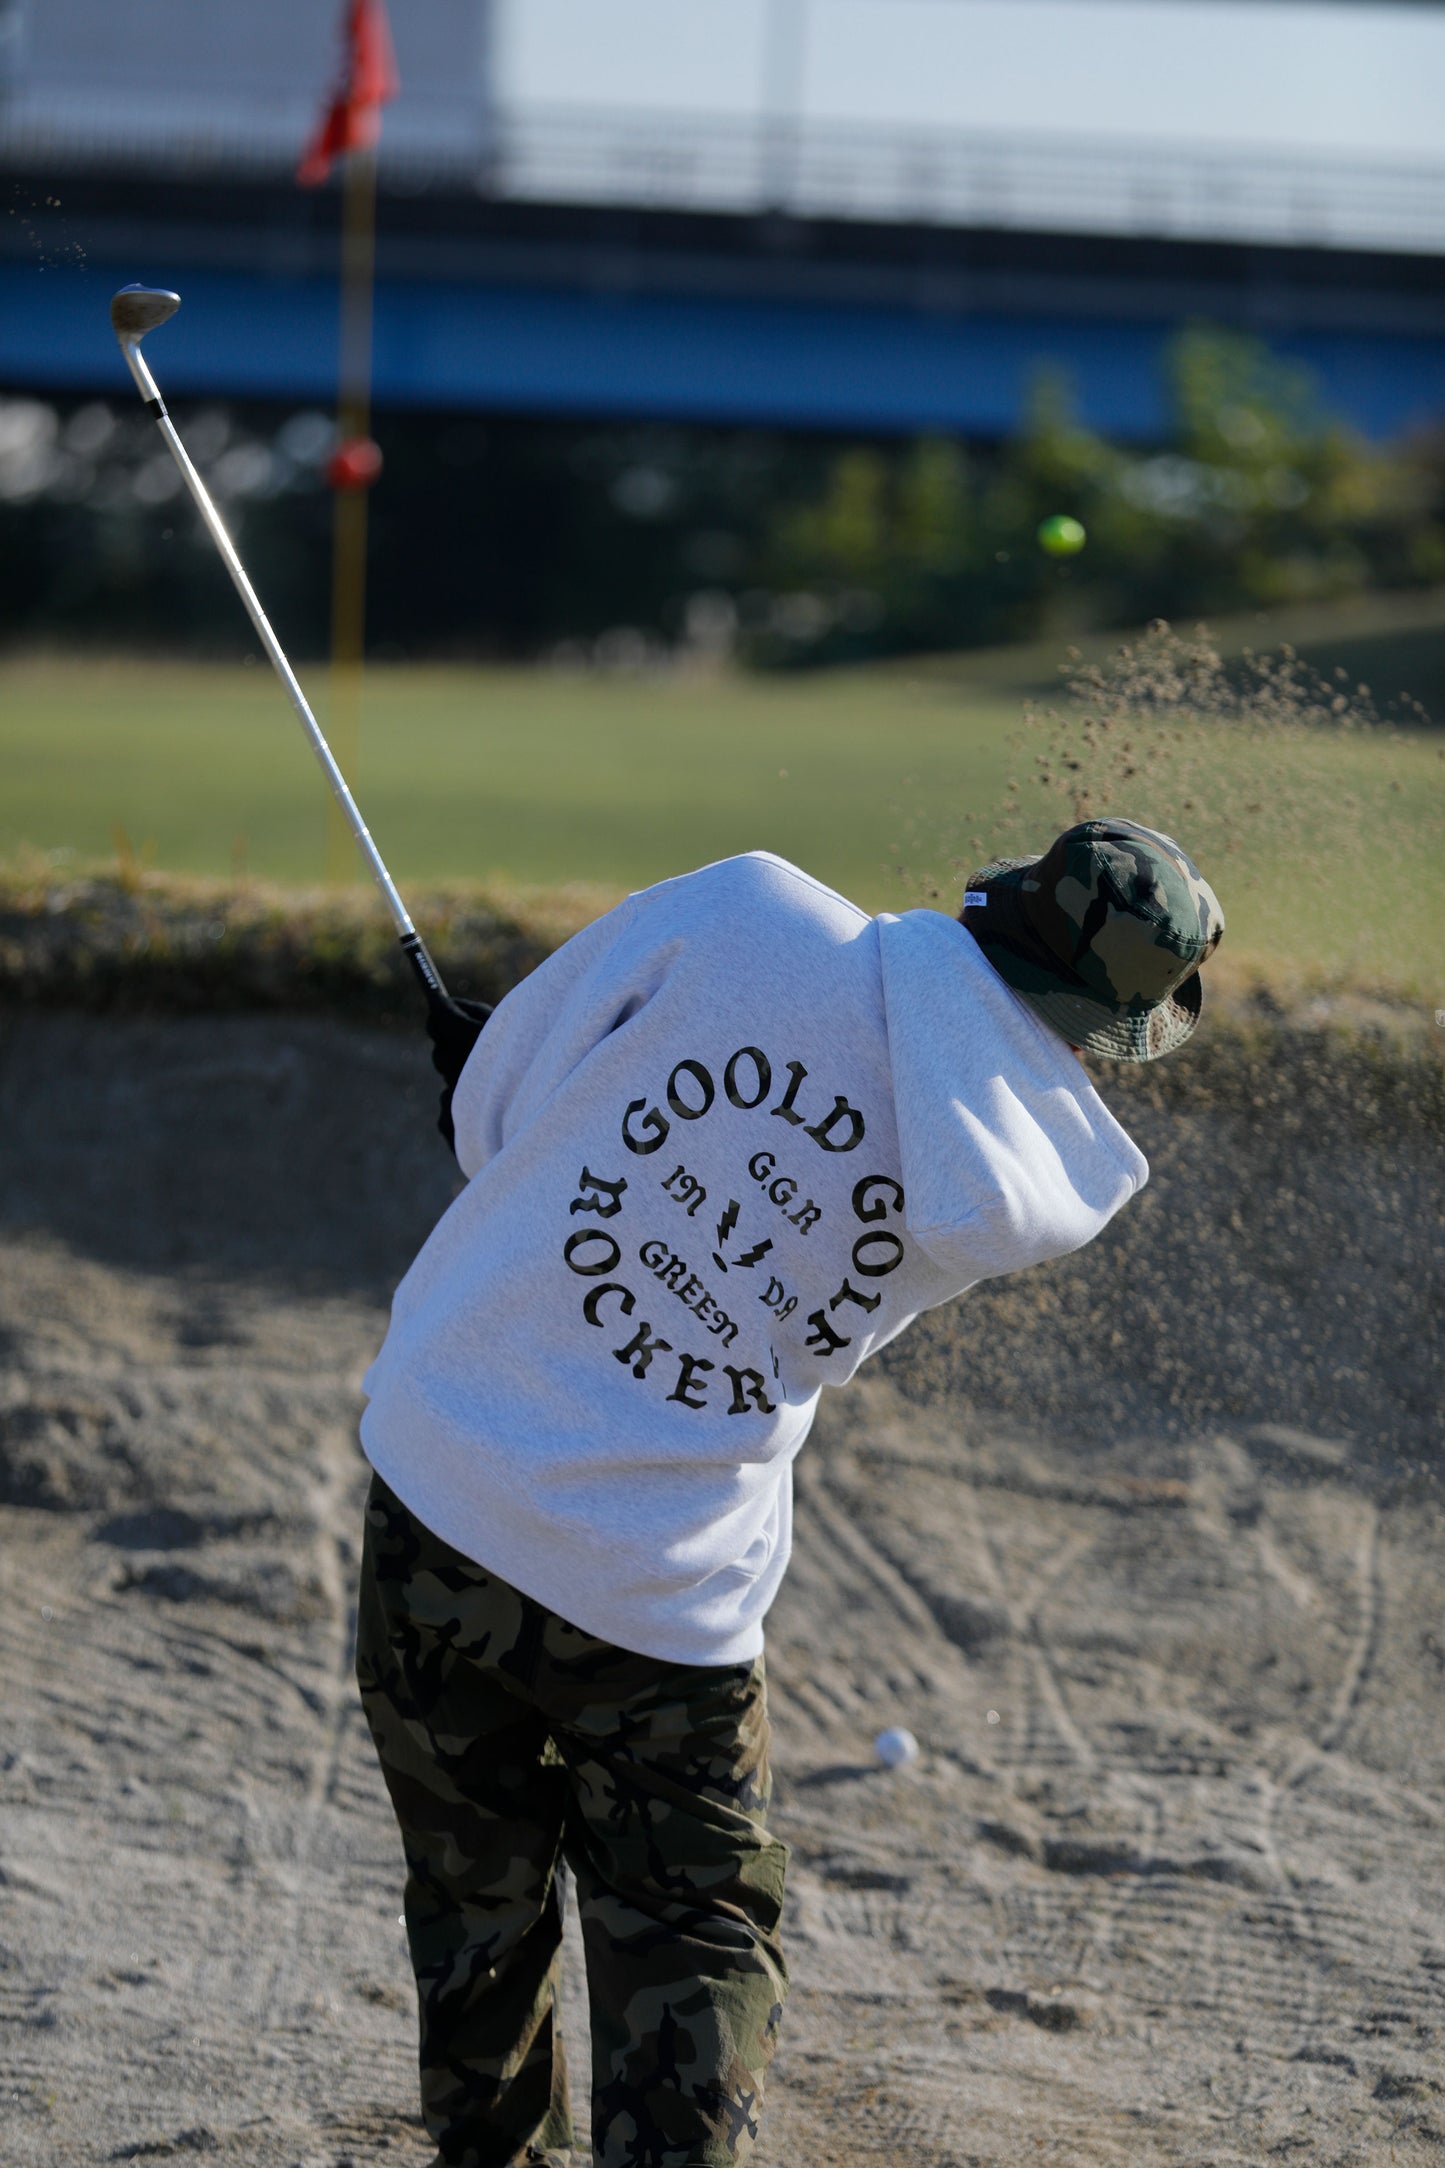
x: 348, y: 560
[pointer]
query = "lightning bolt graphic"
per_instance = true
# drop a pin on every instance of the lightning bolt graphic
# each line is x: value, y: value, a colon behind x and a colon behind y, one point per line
x: 759, y: 1249
x: 725, y: 1227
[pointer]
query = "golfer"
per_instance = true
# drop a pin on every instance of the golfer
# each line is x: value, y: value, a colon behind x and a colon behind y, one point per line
x: 719, y: 1148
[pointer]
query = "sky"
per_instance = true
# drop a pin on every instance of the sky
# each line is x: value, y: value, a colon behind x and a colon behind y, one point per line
x: 1367, y: 80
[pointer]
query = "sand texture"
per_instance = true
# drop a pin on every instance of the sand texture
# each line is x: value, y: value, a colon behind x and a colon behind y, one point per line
x: 1146, y: 1549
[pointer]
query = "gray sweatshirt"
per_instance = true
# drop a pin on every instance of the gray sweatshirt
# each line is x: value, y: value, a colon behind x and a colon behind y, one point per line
x: 720, y: 1147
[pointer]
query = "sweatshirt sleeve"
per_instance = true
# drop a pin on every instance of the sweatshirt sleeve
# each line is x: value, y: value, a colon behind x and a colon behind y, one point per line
x: 1009, y: 1155
x: 1015, y: 1181
x: 544, y: 1027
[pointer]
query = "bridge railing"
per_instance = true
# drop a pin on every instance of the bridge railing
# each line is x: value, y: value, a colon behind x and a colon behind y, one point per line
x: 918, y: 176
x: 683, y: 162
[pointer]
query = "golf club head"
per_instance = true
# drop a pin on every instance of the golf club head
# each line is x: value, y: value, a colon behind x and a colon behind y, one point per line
x: 135, y: 310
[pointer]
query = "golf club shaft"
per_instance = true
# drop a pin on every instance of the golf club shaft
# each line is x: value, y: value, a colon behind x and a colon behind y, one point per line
x: 411, y: 941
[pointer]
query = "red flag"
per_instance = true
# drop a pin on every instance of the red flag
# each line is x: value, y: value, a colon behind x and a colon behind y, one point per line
x: 352, y: 121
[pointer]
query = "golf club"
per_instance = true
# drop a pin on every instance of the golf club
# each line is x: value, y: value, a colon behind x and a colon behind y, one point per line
x: 134, y: 311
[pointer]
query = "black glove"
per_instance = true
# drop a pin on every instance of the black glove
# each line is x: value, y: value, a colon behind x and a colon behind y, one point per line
x: 454, y: 1028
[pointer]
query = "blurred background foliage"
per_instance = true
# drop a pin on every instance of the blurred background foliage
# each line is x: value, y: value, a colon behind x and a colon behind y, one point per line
x: 1258, y: 498
x: 614, y: 544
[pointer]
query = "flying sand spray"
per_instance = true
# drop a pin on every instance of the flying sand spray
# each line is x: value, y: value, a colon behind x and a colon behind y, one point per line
x: 134, y: 311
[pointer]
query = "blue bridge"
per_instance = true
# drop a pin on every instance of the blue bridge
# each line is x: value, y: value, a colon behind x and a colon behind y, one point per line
x: 862, y: 285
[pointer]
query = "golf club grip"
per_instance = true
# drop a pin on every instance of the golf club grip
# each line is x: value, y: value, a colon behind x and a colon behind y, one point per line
x: 418, y: 955
x: 411, y: 941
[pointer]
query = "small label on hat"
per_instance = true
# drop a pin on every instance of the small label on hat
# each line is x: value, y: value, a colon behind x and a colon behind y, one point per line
x: 975, y: 895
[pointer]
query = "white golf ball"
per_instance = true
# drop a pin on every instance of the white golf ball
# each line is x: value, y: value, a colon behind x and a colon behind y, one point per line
x: 895, y: 1746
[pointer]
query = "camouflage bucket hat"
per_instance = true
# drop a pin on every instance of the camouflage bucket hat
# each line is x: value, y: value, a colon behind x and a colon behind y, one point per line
x: 1103, y: 936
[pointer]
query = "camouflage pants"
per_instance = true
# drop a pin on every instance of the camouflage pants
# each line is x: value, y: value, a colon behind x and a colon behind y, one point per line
x: 510, y: 1739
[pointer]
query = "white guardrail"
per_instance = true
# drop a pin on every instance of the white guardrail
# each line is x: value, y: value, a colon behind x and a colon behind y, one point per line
x: 915, y: 176
x: 887, y: 176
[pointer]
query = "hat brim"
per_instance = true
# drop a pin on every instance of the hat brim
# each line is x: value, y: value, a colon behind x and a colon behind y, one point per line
x: 1097, y: 1030
x: 1071, y: 1010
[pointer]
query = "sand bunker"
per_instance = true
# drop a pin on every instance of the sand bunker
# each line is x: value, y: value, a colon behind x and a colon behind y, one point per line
x: 1145, y: 1548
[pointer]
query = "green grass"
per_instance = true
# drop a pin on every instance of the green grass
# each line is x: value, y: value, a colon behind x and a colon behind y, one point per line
x: 534, y: 778
x: 526, y: 776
